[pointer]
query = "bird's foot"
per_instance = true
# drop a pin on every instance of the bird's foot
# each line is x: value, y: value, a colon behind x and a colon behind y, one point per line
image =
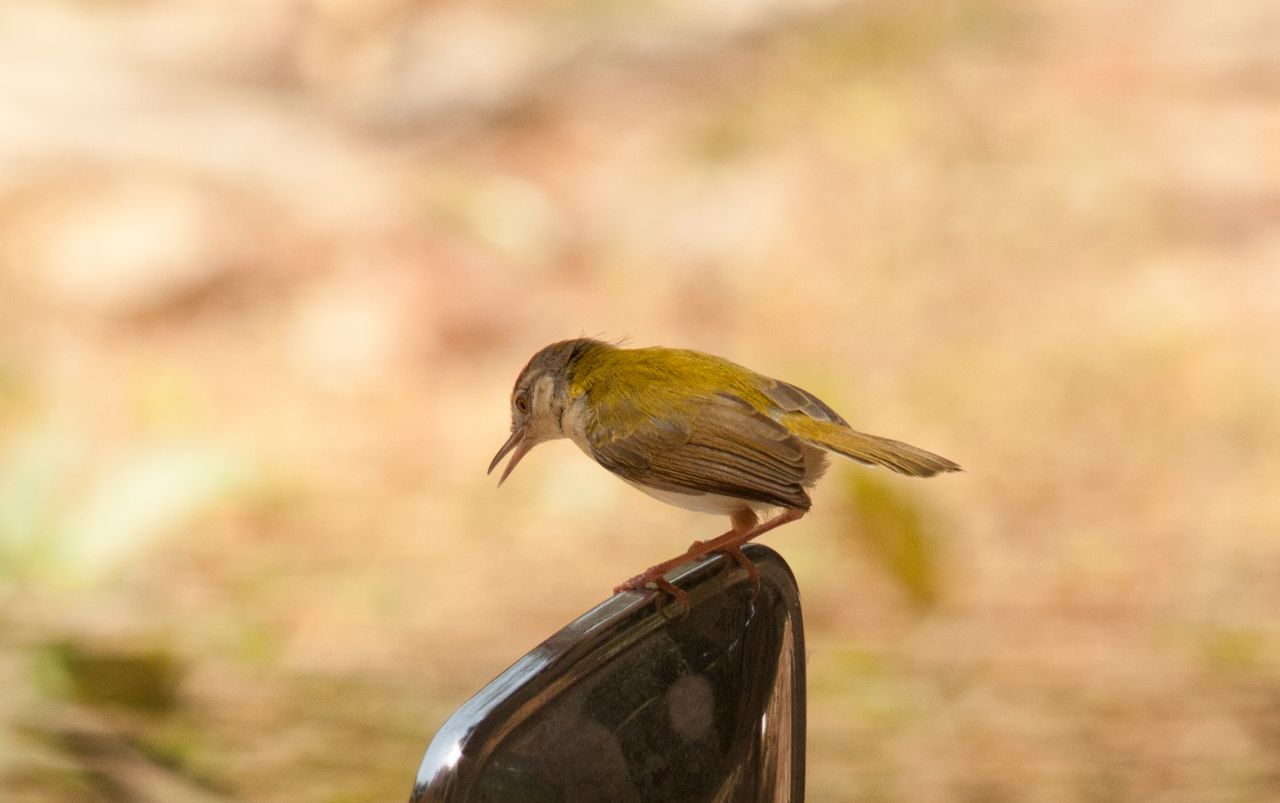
x: 653, y: 575
x: 674, y: 591
x: 729, y: 543
x: 656, y: 575
x: 642, y: 581
x: 752, y: 572
x: 636, y: 583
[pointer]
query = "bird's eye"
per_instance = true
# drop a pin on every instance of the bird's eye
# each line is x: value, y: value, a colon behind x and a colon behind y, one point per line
x: 522, y: 404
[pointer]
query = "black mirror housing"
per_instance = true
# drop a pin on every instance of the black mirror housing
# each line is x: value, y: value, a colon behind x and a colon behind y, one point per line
x: 644, y: 699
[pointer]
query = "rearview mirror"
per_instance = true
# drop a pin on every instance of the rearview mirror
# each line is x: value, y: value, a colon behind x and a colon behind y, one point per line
x: 644, y: 699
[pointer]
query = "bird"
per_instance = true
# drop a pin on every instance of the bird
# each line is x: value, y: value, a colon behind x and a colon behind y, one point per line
x: 693, y: 430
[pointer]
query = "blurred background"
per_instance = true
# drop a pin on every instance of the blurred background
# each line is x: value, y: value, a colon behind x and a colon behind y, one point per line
x: 269, y: 269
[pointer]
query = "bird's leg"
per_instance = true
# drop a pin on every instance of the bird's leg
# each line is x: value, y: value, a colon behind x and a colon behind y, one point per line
x: 730, y: 542
x: 744, y: 520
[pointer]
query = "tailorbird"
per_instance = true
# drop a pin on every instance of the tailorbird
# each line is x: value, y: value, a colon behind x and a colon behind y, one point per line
x: 693, y: 430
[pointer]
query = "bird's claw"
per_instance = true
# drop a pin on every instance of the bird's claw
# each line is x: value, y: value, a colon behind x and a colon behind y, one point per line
x: 636, y: 583
x: 745, y: 562
x: 646, y: 581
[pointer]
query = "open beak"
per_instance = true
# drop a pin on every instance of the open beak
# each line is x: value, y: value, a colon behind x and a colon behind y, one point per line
x: 516, y: 441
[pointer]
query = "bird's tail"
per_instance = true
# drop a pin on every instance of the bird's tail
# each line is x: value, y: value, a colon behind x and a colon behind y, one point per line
x: 872, y: 449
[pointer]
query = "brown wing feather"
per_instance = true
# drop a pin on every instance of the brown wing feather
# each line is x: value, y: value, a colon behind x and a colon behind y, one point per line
x: 725, y: 448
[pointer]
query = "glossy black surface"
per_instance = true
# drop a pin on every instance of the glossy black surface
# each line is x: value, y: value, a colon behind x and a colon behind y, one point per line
x: 634, y: 701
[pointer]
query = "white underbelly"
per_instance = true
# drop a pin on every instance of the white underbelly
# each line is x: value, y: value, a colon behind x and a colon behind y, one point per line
x: 703, y: 503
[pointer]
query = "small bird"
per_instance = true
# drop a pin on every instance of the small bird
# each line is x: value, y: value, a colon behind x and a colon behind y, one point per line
x: 693, y: 430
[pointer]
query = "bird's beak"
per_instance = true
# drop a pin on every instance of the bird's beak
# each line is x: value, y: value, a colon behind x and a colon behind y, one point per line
x: 518, y: 442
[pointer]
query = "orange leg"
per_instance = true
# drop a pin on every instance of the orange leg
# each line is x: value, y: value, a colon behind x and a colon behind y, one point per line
x: 743, y: 519
x: 745, y: 529
x: 677, y: 593
x: 752, y: 572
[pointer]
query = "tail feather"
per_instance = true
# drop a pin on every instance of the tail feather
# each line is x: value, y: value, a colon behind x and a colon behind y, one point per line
x: 872, y: 449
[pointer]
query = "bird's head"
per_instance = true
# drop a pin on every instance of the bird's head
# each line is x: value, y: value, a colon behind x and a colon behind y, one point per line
x: 538, y: 400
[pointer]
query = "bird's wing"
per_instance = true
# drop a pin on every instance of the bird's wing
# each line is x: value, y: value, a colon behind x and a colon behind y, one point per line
x: 714, y: 444
x: 790, y: 399
x: 811, y: 420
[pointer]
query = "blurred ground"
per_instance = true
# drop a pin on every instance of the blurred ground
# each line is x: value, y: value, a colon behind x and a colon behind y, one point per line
x: 267, y: 271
